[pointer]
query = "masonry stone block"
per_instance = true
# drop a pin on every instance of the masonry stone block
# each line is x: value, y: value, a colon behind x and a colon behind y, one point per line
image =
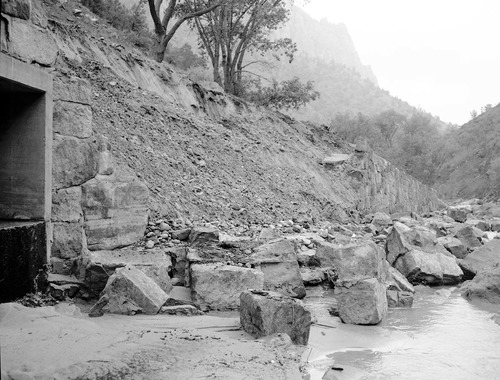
x: 75, y: 161
x: 72, y: 89
x: 66, y: 205
x: 30, y: 43
x: 72, y: 119
x: 68, y: 240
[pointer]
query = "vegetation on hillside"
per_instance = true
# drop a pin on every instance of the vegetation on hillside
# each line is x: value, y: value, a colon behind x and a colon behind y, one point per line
x: 131, y: 21
x: 469, y: 164
x: 237, y: 35
x: 175, y: 14
x: 412, y: 143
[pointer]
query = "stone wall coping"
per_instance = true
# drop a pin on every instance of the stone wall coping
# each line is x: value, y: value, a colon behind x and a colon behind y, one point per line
x: 25, y: 74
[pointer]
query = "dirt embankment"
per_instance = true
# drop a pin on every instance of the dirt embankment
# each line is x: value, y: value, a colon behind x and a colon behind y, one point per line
x: 206, y: 156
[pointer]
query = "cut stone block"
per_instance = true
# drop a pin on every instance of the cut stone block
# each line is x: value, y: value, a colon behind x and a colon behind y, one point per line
x: 264, y: 313
x: 218, y: 286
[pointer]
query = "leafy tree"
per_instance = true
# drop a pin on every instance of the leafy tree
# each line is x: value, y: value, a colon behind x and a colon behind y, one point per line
x: 487, y: 107
x: 184, y: 57
x: 131, y: 21
x: 177, y: 13
x: 389, y: 122
x: 473, y: 114
x: 285, y: 95
x: 236, y: 29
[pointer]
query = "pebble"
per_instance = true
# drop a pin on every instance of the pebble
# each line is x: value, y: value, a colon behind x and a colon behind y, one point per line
x: 150, y: 244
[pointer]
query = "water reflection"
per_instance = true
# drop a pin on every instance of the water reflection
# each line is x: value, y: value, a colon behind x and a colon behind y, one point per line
x: 442, y: 337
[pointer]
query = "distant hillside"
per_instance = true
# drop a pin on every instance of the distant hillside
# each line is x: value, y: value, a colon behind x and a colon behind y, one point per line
x: 470, y: 159
x: 327, y: 56
x: 325, y: 41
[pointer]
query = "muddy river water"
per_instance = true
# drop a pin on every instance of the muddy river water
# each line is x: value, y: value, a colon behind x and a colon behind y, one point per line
x: 443, y: 336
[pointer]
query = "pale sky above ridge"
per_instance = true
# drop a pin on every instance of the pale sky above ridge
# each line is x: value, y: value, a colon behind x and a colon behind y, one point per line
x: 441, y: 55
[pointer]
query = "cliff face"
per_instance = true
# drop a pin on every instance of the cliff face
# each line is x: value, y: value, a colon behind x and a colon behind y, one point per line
x: 131, y: 134
x: 325, y: 41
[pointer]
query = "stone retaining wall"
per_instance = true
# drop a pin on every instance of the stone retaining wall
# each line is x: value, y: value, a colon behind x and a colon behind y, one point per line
x: 383, y: 187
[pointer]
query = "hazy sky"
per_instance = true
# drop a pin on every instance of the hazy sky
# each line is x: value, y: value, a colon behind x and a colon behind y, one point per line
x: 441, y: 55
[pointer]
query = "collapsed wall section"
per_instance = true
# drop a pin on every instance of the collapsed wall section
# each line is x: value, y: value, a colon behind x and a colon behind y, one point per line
x: 383, y: 187
x: 56, y: 169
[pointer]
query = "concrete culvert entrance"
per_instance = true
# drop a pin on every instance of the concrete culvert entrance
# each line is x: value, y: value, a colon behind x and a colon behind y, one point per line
x: 25, y: 174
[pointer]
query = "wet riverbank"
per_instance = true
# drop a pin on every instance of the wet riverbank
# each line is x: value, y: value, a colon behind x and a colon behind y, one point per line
x: 442, y: 336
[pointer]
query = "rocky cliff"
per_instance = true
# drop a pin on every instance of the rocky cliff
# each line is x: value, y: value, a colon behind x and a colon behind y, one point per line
x: 325, y: 41
x: 130, y: 135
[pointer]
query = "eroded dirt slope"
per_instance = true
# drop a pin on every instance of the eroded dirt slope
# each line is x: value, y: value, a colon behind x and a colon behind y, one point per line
x: 203, y: 155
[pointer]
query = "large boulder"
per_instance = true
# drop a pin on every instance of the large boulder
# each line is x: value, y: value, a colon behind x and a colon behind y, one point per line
x: 312, y: 276
x: 454, y: 246
x: 381, y: 220
x: 457, y: 214
x: 218, y: 286
x: 130, y: 291
x: 397, y: 281
x: 203, y: 235
x: 264, y: 313
x: 98, y: 266
x: 399, y: 299
x: 403, y: 239
x: 278, y: 261
x: 364, y: 303
x: 482, y: 259
x: 429, y: 268
x: 468, y: 238
x: 479, y: 224
x: 353, y: 262
x: 484, y: 287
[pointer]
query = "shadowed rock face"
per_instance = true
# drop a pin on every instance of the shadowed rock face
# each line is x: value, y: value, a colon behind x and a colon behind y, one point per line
x: 484, y: 287
x: 22, y: 255
x: 482, y: 259
x: 265, y: 313
x: 130, y: 291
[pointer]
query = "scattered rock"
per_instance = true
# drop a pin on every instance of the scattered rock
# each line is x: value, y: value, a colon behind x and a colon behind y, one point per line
x: 429, y: 268
x: 481, y: 260
x: 218, y: 286
x: 278, y: 261
x: 468, y: 238
x: 484, y: 287
x: 454, y: 246
x: 130, y: 291
x: 203, y: 235
x: 353, y: 262
x: 187, y: 310
x: 312, y: 276
x: 457, y: 214
x: 265, y: 313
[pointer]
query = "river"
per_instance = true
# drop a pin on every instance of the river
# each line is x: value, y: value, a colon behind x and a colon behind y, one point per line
x: 443, y: 336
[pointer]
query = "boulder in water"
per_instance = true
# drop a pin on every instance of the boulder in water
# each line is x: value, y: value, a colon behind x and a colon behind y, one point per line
x: 429, y: 268
x: 485, y: 286
x: 364, y: 303
x: 481, y: 259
